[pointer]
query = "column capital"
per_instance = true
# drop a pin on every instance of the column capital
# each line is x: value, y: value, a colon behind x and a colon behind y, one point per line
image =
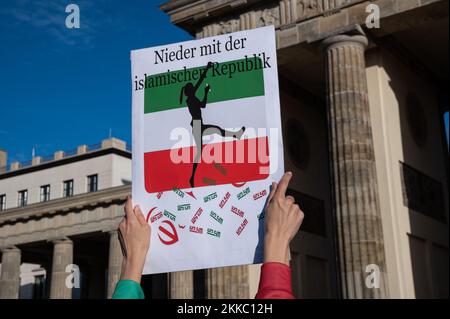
x: 9, y: 249
x: 61, y: 240
x: 356, y: 36
x: 113, y: 232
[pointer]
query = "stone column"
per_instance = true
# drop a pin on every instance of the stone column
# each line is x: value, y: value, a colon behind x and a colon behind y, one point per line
x: 10, y: 273
x: 62, y: 257
x: 354, y: 180
x: 115, y: 262
x: 182, y: 285
x: 227, y: 283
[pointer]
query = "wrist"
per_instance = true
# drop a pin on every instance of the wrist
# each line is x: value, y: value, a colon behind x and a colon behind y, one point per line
x: 132, y: 269
x: 276, y: 249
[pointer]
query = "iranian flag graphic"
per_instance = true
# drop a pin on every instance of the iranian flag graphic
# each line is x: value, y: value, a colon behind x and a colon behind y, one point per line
x: 205, y: 125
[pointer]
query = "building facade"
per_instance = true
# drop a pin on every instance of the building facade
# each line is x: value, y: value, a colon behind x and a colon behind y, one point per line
x: 59, y: 217
x: 362, y: 116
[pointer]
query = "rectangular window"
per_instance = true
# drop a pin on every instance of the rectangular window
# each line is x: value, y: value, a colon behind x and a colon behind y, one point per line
x: 422, y: 193
x: 45, y: 193
x: 2, y: 202
x: 92, y: 183
x: 68, y: 188
x: 22, y: 199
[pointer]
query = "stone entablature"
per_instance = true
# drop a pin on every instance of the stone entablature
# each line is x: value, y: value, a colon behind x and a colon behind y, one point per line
x: 86, y: 213
x: 280, y: 14
x: 297, y: 21
x: 273, y: 12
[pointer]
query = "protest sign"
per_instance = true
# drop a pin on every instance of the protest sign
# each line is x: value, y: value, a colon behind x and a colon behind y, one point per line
x: 206, y: 146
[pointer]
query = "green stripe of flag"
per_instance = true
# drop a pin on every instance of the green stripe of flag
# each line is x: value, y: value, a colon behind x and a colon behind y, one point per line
x: 162, y: 95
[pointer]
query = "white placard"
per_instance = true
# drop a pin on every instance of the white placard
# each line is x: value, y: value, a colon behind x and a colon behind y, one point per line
x: 207, y: 144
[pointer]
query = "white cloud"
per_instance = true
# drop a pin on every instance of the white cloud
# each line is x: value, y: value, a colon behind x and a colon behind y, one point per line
x: 49, y: 17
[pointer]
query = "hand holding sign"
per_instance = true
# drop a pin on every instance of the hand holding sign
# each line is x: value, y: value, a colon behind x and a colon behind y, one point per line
x: 283, y: 220
x: 134, y: 235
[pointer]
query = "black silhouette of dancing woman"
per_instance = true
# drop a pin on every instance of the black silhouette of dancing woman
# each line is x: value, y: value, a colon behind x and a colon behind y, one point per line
x: 199, y: 129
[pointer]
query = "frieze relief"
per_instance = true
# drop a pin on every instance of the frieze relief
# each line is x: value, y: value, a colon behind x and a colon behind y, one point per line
x: 279, y: 13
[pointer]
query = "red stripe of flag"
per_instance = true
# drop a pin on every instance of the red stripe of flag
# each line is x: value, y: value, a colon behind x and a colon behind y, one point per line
x: 161, y: 174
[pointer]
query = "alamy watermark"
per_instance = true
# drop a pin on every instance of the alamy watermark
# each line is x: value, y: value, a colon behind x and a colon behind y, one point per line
x: 73, y: 279
x: 212, y: 146
x: 373, y: 19
x: 73, y: 19
x: 373, y: 279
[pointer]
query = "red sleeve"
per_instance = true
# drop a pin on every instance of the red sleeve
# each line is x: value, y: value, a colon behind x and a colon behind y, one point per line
x: 275, y: 282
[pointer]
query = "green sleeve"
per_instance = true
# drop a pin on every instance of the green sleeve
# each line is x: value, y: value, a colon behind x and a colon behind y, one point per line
x: 128, y: 289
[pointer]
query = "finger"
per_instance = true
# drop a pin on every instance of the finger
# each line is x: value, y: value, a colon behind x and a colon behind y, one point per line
x: 295, y: 209
x: 298, y: 215
x: 301, y: 215
x: 139, y: 215
x: 129, y: 208
x: 283, y: 185
x: 290, y: 199
x: 273, y: 189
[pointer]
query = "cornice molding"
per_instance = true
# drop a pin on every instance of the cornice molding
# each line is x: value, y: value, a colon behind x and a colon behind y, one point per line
x: 65, y: 205
x: 191, y: 14
x: 297, y: 21
x: 65, y: 161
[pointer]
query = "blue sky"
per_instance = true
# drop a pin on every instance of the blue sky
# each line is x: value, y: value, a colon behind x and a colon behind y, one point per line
x: 59, y: 87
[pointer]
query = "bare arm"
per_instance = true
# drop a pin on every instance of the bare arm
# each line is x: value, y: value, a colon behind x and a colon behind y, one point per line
x: 205, y: 97
x: 202, y: 76
x: 135, y: 239
x: 282, y: 222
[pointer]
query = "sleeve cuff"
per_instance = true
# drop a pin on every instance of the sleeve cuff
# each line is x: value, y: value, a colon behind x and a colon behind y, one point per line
x: 275, y: 281
x: 128, y: 289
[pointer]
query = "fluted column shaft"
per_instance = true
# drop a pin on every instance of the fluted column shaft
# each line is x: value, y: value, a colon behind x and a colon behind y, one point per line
x: 354, y: 181
x: 227, y: 283
x: 62, y: 257
x: 182, y: 285
x: 114, y: 262
x: 10, y: 273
